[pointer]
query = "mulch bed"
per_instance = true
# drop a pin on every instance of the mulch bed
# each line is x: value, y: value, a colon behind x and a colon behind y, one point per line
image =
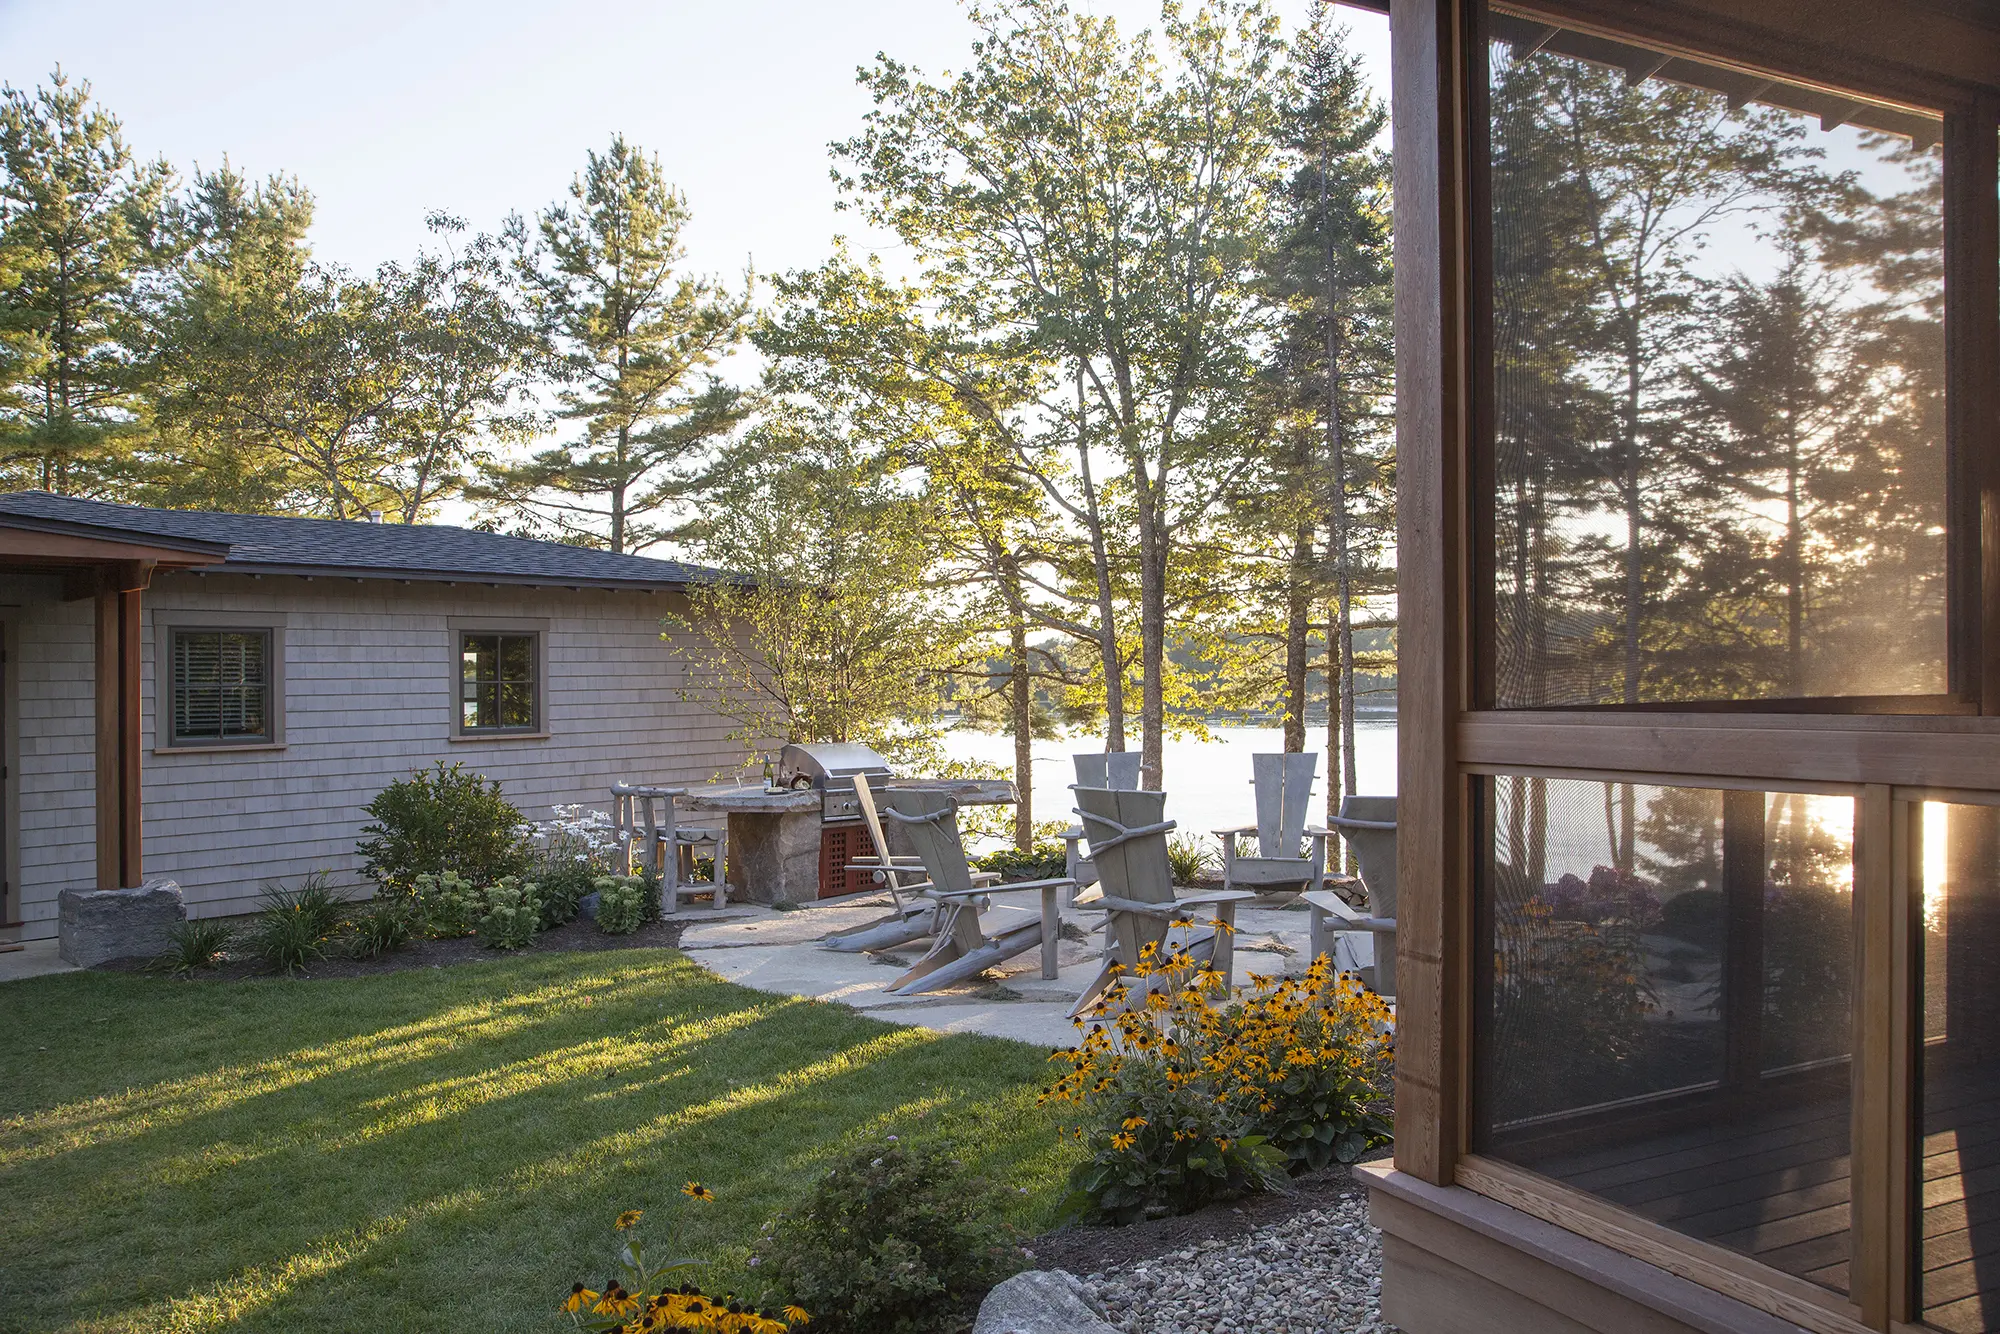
x: 1097, y: 1250
x: 579, y: 935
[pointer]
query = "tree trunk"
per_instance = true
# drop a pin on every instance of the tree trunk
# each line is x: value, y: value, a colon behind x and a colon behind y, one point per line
x: 1100, y: 561
x: 1020, y: 690
x: 1298, y: 600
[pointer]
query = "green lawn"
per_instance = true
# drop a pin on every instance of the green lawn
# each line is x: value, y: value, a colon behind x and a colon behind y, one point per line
x: 439, y: 1149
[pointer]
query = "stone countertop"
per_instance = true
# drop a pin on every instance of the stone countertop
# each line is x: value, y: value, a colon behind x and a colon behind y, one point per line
x: 969, y: 791
x: 752, y: 799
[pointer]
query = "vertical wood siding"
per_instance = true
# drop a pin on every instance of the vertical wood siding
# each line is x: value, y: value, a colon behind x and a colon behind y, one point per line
x: 368, y: 698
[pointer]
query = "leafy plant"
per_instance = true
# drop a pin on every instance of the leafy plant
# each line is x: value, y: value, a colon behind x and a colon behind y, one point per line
x: 385, y: 925
x: 442, y: 819
x: 621, y: 903
x: 894, y: 1239
x: 1045, y: 861
x: 1189, y: 1094
x: 1191, y: 858
x: 201, y: 942
x: 448, y: 905
x: 295, y: 927
x: 638, y: 1297
x: 571, y: 851
x: 512, y: 914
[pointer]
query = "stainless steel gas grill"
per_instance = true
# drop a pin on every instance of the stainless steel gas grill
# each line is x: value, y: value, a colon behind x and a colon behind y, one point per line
x: 829, y: 769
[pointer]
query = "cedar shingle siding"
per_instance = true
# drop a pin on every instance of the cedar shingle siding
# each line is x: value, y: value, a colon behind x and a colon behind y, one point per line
x: 368, y: 697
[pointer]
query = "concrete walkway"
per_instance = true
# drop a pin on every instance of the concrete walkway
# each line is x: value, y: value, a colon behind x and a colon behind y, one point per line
x: 779, y: 952
x: 34, y: 959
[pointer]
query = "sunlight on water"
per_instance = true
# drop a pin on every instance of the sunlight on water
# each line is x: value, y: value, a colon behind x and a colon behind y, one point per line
x: 1207, y: 782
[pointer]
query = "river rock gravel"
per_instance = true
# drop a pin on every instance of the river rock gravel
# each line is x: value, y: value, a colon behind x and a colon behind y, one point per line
x: 1318, y: 1272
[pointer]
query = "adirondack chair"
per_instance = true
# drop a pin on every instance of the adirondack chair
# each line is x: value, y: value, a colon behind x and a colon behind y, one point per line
x: 962, y: 948
x: 1117, y: 769
x: 915, y: 913
x: 644, y: 822
x: 1291, y: 856
x: 1128, y: 842
x: 1369, y: 826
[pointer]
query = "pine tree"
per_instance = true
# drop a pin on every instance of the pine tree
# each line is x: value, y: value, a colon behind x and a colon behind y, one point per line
x: 1333, y: 361
x: 79, y: 224
x: 631, y: 342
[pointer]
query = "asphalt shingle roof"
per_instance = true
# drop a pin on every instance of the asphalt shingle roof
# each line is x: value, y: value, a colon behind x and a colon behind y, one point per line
x: 281, y: 544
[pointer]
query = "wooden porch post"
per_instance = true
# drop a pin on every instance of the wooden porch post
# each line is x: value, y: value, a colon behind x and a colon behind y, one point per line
x: 1435, y: 222
x: 118, y: 753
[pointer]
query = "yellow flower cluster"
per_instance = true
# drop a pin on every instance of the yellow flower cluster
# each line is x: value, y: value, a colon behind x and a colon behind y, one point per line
x: 619, y: 1309
x: 1180, y: 1065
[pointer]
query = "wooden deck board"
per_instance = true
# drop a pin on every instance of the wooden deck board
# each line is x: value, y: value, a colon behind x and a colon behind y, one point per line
x: 1774, y: 1185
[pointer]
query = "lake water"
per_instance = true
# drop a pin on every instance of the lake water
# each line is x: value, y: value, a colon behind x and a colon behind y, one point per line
x: 1207, y: 782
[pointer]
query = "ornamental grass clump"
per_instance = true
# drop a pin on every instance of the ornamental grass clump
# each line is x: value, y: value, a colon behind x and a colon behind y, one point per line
x: 295, y: 927
x: 894, y: 1239
x: 512, y: 915
x: 199, y: 942
x: 641, y: 1298
x: 1187, y: 1093
x: 621, y: 904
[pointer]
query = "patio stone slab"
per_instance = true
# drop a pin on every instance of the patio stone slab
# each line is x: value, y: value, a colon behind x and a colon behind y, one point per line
x: 779, y: 952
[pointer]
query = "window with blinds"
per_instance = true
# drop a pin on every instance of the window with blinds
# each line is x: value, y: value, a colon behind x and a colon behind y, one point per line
x: 497, y: 687
x: 221, y: 686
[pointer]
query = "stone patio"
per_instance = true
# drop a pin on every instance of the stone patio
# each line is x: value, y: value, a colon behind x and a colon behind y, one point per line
x: 778, y: 951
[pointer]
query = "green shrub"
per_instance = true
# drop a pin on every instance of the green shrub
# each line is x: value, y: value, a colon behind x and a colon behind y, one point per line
x: 385, y: 925
x: 442, y: 819
x: 197, y: 943
x: 621, y: 903
x: 1191, y: 858
x: 295, y: 927
x: 892, y: 1240
x: 512, y: 914
x: 1047, y: 860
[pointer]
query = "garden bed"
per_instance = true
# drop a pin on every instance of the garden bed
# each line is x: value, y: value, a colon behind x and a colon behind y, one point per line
x: 579, y: 936
x: 1094, y: 1249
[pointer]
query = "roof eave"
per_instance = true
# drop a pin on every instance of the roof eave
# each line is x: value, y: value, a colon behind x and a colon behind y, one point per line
x: 434, y: 576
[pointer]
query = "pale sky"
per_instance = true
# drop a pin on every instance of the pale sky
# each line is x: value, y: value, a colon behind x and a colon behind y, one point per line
x: 386, y: 109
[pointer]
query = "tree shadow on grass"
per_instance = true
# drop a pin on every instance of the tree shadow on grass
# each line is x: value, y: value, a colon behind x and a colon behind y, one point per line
x: 447, y: 1151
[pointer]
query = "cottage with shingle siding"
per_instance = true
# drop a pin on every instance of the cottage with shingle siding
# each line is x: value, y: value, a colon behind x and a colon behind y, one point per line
x: 286, y: 669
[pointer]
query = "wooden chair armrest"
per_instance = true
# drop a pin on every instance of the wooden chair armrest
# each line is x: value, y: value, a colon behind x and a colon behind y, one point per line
x: 985, y: 877
x: 1218, y: 896
x: 1073, y: 833
x: 1015, y: 886
x: 1335, y: 906
x: 1139, y: 907
x: 898, y: 861
x: 1239, y: 829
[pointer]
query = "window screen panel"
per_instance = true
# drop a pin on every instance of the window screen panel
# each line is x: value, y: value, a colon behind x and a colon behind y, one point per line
x: 1664, y: 1016
x: 1718, y: 384
x: 221, y: 686
x: 1958, y: 1191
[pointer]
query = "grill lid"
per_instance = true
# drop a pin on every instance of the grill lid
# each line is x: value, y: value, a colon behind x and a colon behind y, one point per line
x: 829, y: 765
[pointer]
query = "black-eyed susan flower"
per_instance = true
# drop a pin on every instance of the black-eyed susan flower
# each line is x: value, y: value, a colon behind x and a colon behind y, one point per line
x: 796, y: 1314
x: 580, y: 1298
x: 616, y: 1301
x: 629, y: 1219
x: 694, y: 1190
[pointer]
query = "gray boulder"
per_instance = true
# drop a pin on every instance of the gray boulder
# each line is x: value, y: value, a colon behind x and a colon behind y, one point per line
x: 96, y: 925
x: 1041, y: 1301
